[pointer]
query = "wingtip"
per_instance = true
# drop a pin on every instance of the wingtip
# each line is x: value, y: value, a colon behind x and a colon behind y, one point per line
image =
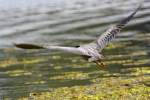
x: 128, y: 18
x: 27, y: 46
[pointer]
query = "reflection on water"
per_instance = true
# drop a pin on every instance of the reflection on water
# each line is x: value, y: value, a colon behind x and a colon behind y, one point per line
x: 69, y: 23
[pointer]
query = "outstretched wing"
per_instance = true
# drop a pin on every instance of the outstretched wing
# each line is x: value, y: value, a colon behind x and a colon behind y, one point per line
x: 110, y: 34
x: 72, y: 50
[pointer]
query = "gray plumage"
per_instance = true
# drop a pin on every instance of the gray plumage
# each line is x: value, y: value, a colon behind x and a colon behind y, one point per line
x: 92, y: 50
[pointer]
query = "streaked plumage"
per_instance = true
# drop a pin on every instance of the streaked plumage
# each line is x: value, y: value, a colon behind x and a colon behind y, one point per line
x: 91, y: 51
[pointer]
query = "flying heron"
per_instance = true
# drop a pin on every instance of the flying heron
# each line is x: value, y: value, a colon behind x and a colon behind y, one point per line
x: 90, y: 51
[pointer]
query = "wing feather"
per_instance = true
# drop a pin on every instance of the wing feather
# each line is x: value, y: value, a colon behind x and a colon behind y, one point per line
x: 72, y: 50
x: 110, y: 34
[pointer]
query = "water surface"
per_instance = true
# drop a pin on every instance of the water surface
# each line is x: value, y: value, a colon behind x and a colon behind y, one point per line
x: 71, y: 23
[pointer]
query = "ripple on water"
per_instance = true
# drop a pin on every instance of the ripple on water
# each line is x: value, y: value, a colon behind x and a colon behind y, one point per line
x: 65, y: 22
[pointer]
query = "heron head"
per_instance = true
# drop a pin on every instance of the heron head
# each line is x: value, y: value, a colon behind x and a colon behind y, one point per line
x: 97, y: 60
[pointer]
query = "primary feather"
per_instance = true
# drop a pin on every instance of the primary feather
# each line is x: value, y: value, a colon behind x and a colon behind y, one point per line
x: 110, y: 34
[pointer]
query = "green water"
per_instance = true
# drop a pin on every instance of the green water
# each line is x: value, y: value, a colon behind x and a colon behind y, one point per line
x: 46, y: 75
x: 23, y: 72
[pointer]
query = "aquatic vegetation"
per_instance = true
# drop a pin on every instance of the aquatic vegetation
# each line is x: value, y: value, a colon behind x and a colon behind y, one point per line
x: 8, y: 62
x: 13, y: 61
x: 46, y: 75
x: 55, y: 78
x: 18, y: 73
x: 104, y: 90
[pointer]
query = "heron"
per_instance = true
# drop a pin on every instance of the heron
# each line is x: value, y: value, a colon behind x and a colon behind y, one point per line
x: 91, y: 51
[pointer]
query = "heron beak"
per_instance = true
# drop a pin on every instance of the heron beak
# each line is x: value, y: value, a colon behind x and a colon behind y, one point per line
x: 100, y: 64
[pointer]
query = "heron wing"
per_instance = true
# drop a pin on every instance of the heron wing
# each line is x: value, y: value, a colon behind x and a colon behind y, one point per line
x: 72, y: 50
x: 110, y: 34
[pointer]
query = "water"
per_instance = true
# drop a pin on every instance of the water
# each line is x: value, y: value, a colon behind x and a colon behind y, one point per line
x: 65, y: 22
